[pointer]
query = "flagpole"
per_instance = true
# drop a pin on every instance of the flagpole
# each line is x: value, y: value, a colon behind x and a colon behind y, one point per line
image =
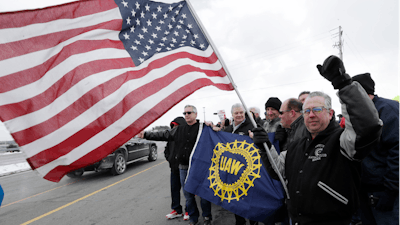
x: 274, y: 166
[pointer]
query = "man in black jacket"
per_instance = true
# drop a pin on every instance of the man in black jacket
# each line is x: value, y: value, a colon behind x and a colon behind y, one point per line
x: 322, y: 166
x: 185, y: 137
x: 171, y: 156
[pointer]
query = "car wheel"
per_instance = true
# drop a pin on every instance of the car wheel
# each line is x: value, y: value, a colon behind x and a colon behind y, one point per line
x: 75, y: 174
x: 119, y: 166
x: 153, y: 153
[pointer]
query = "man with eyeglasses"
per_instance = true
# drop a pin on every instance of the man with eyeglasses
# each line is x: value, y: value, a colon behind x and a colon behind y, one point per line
x: 185, y: 138
x: 322, y: 166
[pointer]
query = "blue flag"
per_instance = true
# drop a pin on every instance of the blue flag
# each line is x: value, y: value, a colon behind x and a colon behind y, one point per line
x: 226, y: 169
x: 1, y: 195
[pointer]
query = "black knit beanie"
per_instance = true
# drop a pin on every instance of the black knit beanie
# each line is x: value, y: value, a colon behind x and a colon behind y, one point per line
x: 274, y: 103
x: 366, y: 82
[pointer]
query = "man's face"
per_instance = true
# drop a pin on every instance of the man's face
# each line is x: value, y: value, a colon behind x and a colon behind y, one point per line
x: 272, y: 113
x: 190, y: 116
x: 238, y: 115
x: 316, y: 122
x: 286, y: 118
x: 303, y: 97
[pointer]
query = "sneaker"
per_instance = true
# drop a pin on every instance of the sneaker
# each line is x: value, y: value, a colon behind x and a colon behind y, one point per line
x: 186, y: 216
x: 173, y: 215
x: 207, y: 221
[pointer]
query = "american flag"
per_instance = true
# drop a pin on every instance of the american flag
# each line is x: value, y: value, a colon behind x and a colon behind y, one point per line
x: 78, y: 80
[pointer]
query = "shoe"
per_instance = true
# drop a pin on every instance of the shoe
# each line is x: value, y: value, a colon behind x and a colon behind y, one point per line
x: 186, y: 216
x: 192, y: 223
x: 173, y: 215
x: 207, y: 221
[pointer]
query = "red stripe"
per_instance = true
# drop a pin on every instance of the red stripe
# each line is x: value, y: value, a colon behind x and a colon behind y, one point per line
x: 65, y: 11
x: 95, y: 155
x: 15, y: 110
x: 110, y: 117
x: 18, y: 48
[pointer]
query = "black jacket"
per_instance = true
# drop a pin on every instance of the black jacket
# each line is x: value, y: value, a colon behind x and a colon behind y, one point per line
x: 184, y: 136
x: 243, y: 129
x: 170, y: 153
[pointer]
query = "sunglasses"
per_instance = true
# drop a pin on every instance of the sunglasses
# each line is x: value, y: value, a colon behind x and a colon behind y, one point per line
x: 184, y: 113
x: 281, y: 112
x: 315, y: 110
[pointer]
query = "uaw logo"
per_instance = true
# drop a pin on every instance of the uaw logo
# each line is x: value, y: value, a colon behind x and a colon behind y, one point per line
x: 318, y: 153
x: 234, y: 168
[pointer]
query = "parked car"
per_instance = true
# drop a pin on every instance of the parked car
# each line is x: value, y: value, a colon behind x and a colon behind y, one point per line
x: 134, y: 150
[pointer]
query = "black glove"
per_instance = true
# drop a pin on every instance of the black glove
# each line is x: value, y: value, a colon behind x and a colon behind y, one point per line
x: 386, y: 202
x: 280, y: 134
x: 259, y: 137
x: 334, y: 71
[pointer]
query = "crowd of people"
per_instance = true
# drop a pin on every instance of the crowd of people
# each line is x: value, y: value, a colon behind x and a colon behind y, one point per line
x: 335, y: 174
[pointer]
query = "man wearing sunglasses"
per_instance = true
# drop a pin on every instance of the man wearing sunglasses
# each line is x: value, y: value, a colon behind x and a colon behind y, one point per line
x: 184, y: 137
x: 322, y: 166
x: 292, y: 119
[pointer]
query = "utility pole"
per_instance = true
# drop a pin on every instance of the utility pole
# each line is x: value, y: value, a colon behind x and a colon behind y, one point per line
x: 339, y: 44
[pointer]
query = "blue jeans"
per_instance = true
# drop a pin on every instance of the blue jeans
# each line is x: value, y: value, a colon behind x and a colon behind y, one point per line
x: 176, y: 191
x: 191, y: 204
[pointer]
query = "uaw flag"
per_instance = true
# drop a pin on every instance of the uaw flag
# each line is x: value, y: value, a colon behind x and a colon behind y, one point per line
x: 226, y: 169
x: 78, y: 80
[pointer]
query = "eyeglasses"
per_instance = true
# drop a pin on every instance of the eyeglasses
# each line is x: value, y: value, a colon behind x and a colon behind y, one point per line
x: 315, y: 110
x: 184, y: 113
x: 281, y: 112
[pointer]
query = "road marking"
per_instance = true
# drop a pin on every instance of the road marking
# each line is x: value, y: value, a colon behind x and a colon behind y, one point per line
x: 38, y: 194
x: 86, y: 196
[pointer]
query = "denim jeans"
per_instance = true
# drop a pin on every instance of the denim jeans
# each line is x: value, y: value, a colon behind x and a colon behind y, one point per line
x: 176, y: 191
x: 191, y: 204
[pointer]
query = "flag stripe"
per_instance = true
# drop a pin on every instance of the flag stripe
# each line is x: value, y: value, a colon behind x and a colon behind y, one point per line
x: 16, y: 48
x: 58, y: 24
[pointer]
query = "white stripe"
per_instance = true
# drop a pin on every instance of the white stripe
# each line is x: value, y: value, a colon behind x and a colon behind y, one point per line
x: 332, y: 192
x: 87, y: 84
x: 39, y: 29
x: 132, y: 115
x: 30, y: 60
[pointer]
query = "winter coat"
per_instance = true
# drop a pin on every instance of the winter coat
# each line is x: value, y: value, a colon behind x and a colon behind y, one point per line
x: 380, y: 169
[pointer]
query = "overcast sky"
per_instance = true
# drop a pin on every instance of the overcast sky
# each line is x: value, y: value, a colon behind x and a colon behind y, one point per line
x: 271, y: 48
